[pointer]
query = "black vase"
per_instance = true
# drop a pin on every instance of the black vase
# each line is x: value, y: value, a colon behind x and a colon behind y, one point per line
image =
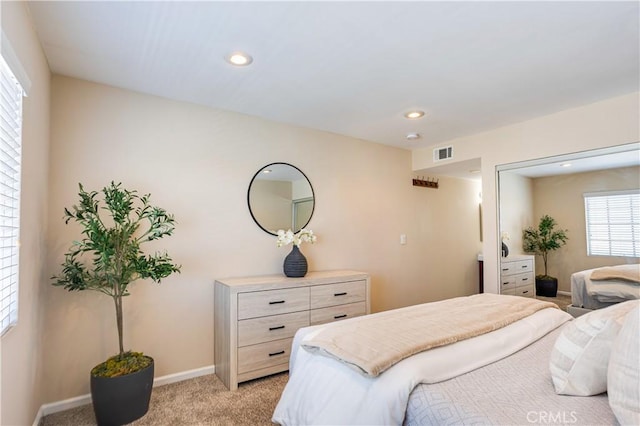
x: 295, y: 264
x: 121, y: 400
x: 505, y: 250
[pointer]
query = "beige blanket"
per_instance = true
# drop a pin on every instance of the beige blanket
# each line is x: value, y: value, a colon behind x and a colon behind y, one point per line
x: 375, y: 342
x: 620, y: 272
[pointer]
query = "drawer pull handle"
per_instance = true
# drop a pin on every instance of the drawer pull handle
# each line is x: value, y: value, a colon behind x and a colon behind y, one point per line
x: 505, y: 269
x: 344, y: 293
x: 525, y: 279
x: 340, y: 316
x: 505, y: 283
x: 525, y: 292
x: 524, y: 266
x: 280, y: 327
x: 276, y: 353
x: 276, y: 302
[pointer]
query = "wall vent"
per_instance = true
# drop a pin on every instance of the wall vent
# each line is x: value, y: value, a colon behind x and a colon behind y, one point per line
x: 443, y: 153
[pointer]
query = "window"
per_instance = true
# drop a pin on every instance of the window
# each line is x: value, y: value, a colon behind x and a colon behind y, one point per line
x: 11, y: 93
x: 613, y: 223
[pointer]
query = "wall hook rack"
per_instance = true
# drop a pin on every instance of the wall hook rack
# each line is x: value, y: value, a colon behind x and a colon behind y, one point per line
x: 426, y: 183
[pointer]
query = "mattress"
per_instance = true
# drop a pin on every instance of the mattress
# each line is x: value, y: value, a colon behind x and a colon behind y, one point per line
x: 491, y: 396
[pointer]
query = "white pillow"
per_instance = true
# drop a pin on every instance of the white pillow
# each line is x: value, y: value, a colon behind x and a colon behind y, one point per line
x: 624, y: 371
x: 580, y: 356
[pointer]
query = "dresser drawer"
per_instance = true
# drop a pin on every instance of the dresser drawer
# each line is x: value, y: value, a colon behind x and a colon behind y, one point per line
x: 507, y: 283
x: 517, y: 267
x: 326, y: 295
x: 337, y: 313
x: 272, y: 302
x: 275, y: 327
x: 524, y: 279
x: 263, y: 355
x: 526, y: 291
x: 509, y: 291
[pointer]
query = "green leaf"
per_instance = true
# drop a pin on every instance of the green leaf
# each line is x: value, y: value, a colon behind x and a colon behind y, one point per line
x: 108, y: 257
x: 544, y: 239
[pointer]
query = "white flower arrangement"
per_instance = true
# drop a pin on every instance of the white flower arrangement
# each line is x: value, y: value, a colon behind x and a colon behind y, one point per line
x: 288, y: 237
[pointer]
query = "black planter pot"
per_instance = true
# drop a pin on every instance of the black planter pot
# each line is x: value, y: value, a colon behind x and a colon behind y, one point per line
x: 121, y: 400
x: 547, y: 287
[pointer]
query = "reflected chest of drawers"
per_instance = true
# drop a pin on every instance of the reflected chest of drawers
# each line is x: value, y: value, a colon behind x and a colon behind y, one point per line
x: 255, y: 318
x: 517, y: 276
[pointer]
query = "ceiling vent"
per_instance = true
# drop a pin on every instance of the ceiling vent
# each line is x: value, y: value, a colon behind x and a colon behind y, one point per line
x: 443, y: 153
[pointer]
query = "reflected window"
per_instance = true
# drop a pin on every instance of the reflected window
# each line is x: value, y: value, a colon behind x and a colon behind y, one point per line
x: 613, y: 223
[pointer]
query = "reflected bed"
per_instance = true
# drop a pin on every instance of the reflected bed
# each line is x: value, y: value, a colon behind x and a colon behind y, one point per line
x: 588, y: 293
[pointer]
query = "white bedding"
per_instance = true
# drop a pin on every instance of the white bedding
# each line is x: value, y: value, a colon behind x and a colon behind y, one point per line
x: 490, y: 396
x: 322, y: 390
x: 596, y: 294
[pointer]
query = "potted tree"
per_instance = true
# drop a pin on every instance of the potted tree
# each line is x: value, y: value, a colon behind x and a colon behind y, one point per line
x: 107, y: 259
x: 542, y: 241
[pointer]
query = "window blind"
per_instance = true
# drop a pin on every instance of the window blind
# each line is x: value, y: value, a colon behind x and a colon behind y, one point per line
x: 11, y: 94
x: 613, y: 223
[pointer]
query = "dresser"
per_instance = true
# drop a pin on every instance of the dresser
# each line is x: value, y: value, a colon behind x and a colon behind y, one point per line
x: 255, y: 318
x: 517, y: 275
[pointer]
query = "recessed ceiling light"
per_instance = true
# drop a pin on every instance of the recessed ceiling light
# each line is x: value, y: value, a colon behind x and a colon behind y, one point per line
x: 565, y: 165
x: 413, y: 136
x: 414, y: 114
x: 239, y: 58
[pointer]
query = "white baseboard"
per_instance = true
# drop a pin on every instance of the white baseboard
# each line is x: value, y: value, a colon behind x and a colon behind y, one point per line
x: 184, y: 375
x: 564, y: 293
x: 67, y: 404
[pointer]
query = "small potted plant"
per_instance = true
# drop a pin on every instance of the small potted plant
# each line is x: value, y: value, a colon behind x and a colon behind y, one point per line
x: 542, y: 241
x: 107, y: 259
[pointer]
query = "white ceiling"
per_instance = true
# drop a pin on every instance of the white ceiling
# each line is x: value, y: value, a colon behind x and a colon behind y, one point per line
x: 354, y: 68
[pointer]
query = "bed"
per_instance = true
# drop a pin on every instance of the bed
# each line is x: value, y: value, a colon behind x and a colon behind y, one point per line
x: 613, y: 284
x: 498, y: 377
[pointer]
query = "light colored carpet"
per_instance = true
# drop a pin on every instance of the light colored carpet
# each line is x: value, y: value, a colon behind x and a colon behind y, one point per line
x: 199, y: 401
x: 561, y: 300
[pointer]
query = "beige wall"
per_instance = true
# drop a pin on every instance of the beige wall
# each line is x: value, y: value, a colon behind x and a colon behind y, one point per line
x: 516, y: 208
x: 21, y: 354
x: 610, y: 122
x: 561, y: 197
x: 197, y: 163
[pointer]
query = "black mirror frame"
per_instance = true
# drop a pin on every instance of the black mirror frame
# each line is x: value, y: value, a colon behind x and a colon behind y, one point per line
x: 313, y: 194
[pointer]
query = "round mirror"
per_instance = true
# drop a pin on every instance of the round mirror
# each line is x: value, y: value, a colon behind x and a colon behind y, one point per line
x: 280, y: 197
